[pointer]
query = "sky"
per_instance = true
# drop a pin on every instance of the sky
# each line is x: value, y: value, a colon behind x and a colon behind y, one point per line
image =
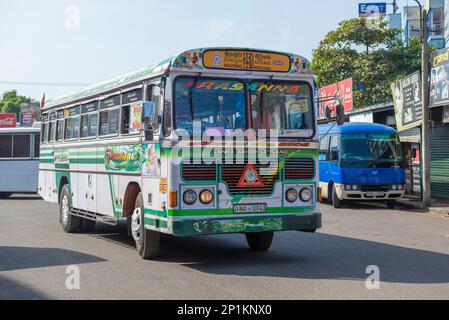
x: 50, y: 42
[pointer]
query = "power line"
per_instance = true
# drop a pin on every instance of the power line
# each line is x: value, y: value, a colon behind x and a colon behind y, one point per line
x: 52, y: 84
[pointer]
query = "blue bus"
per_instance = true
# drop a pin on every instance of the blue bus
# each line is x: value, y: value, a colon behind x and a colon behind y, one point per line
x: 361, y: 162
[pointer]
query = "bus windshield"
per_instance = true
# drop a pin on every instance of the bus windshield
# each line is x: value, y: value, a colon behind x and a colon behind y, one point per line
x: 220, y: 104
x: 371, y: 151
x: 216, y: 104
x: 285, y: 107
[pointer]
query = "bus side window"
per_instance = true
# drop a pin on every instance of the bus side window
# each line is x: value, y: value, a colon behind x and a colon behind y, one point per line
x: 59, y: 130
x: 6, y: 146
x: 44, y: 133
x: 22, y: 146
x: 36, y: 146
x: 51, y: 132
x: 109, y: 122
x: 156, y: 98
x: 334, y: 148
x: 168, y: 103
x: 324, y: 148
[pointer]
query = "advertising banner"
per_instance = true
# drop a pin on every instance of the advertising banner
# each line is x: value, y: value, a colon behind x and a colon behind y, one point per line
x: 439, y: 81
x: 342, y: 89
x: 8, y: 120
x: 407, y: 102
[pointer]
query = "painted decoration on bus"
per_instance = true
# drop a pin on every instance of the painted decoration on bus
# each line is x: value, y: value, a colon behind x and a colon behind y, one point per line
x: 246, y: 60
x: 123, y: 158
x: 151, y: 163
x: 61, y: 157
x: 135, y: 118
x: 8, y: 120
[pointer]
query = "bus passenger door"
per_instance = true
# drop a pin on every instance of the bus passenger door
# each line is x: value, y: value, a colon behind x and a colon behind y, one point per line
x: 324, y: 165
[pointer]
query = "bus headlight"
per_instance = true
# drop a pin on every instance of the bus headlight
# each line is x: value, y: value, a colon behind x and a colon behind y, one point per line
x: 348, y: 187
x: 206, y: 197
x: 306, y: 195
x: 394, y: 187
x: 291, y: 195
x: 355, y: 187
x: 400, y: 187
x: 189, y: 197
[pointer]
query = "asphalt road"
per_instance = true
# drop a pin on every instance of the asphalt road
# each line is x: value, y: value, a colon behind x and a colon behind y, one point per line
x: 410, y: 249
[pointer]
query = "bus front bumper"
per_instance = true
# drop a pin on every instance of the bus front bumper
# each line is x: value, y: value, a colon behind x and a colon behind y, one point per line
x: 368, y: 196
x: 237, y: 224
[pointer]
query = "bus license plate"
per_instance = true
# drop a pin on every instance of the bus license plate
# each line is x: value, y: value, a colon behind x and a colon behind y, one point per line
x: 250, y: 208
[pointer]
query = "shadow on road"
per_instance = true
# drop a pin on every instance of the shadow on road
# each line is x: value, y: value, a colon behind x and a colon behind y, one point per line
x: 13, y: 290
x: 297, y: 255
x: 305, y: 256
x: 18, y: 258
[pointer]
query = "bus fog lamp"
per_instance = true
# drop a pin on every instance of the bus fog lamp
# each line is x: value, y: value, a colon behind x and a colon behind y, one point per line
x: 190, y: 197
x: 206, y: 197
x: 291, y: 195
x: 306, y: 195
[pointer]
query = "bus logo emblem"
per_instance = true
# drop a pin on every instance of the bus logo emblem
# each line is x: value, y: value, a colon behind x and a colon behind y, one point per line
x: 217, y: 59
x: 250, y: 178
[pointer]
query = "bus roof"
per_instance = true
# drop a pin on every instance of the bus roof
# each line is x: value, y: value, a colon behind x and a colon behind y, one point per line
x: 199, y: 60
x: 20, y: 130
x: 355, y: 127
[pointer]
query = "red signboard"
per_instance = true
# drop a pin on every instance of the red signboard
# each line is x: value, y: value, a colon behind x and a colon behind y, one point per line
x: 8, y: 120
x: 343, y: 89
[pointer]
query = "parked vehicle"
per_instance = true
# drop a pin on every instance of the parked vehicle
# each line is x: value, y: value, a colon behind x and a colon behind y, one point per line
x: 19, y: 160
x: 361, y: 161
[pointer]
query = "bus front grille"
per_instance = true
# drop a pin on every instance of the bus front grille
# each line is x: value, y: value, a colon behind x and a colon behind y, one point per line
x: 231, y: 173
x: 199, y: 172
x: 296, y: 169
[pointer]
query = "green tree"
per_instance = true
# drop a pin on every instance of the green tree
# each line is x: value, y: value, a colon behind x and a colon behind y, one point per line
x: 10, y: 102
x: 374, y: 56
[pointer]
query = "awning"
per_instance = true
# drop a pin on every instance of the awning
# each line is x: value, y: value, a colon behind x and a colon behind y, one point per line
x: 411, y: 136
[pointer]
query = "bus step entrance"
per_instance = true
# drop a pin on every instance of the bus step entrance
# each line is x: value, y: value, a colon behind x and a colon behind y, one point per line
x: 94, y: 216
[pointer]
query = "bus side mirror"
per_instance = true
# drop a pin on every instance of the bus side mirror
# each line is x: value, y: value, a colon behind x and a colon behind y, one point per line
x: 340, y: 115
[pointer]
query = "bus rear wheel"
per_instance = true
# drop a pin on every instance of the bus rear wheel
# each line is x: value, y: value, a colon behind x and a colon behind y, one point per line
x: 260, y: 241
x: 69, y: 223
x: 147, y: 241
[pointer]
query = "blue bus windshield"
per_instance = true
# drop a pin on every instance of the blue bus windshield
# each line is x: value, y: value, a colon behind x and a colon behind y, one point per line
x: 371, y: 151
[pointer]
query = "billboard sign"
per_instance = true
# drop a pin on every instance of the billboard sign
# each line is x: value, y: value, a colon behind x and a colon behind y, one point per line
x: 343, y: 90
x: 376, y: 9
x: 8, y: 120
x: 407, y: 100
x: 28, y: 114
x: 439, y: 81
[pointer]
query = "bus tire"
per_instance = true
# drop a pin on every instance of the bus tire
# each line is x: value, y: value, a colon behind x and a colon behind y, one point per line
x: 147, y: 241
x: 336, y: 202
x: 87, y: 225
x: 391, y: 204
x: 69, y: 223
x: 260, y: 241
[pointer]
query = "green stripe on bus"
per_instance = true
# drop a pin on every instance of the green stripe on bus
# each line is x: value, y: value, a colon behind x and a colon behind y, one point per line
x: 157, y: 213
x: 156, y: 223
x: 230, y: 212
x: 87, y: 161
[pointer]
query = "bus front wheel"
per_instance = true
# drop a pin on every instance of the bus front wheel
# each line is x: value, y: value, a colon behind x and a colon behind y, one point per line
x: 391, y: 204
x: 260, y: 241
x: 147, y: 241
x: 336, y: 202
x: 69, y: 223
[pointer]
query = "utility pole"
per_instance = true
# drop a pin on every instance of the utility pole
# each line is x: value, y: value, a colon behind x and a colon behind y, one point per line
x: 425, y: 144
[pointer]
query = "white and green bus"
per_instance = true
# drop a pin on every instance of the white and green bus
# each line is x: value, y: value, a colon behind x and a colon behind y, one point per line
x: 213, y: 141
